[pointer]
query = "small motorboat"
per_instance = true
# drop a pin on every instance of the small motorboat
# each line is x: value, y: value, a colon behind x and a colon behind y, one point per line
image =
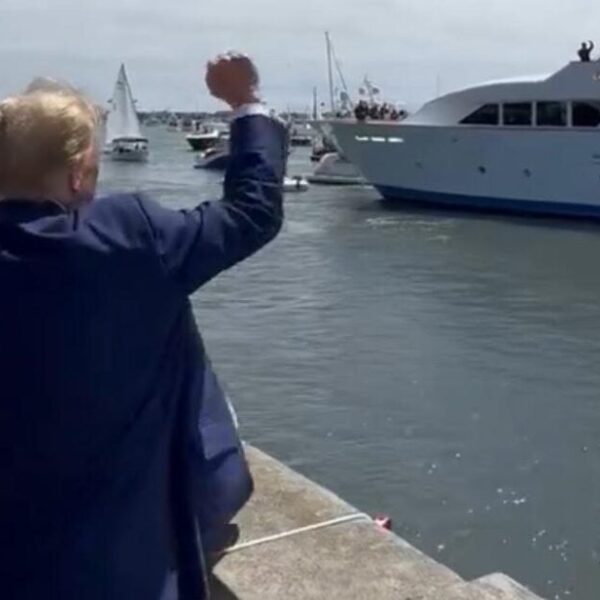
x: 301, y: 134
x: 321, y: 146
x: 300, y: 140
x: 334, y: 169
x: 215, y: 158
x: 207, y: 135
x: 204, y: 139
x: 295, y: 184
x: 186, y: 125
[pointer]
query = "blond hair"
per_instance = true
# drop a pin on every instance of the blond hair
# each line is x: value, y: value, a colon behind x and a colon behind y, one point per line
x: 43, y: 131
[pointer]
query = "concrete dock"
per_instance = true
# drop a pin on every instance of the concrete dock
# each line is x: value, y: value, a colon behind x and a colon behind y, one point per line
x: 300, y: 541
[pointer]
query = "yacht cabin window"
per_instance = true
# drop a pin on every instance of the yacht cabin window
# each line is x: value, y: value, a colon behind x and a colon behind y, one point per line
x: 551, y: 114
x: 518, y: 114
x: 488, y: 114
x: 586, y: 114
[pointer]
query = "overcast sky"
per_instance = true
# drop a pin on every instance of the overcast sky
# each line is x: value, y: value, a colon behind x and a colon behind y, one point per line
x: 404, y: 45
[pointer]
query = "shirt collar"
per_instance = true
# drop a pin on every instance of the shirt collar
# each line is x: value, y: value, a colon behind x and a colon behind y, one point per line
x: 250, y: 109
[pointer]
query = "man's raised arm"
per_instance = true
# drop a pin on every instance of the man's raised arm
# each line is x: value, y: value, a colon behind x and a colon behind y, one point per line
x: 195, y: 245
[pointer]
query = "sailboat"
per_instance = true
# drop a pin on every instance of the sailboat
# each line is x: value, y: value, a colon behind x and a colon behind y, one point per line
x: 124, y: 139
x: 333, y: 168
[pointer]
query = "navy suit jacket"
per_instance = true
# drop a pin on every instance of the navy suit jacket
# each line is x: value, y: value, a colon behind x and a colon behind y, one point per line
x: 97, y: 347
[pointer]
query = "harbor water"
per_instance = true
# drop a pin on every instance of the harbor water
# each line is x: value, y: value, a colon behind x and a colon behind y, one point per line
x: 439, y: 367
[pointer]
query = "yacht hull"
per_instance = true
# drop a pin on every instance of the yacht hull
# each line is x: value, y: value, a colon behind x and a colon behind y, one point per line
x: 534, y: 171
x: 489, y: 204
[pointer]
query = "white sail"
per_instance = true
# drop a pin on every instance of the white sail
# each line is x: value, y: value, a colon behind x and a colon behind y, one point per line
x: 122, y: 121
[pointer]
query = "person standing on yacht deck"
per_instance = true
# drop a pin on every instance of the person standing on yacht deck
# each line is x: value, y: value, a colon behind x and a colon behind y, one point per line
x: 585, y: 51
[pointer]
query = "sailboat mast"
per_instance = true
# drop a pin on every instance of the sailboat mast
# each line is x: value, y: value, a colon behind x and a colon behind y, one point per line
x: 315, y: 109
x: 369, y: 87
x: 330, y: 73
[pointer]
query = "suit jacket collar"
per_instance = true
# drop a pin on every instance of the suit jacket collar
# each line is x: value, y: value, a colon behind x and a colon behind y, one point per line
x: 19, y: 210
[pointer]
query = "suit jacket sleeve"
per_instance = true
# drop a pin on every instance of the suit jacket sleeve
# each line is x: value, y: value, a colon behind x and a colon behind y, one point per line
x: 195, y: 245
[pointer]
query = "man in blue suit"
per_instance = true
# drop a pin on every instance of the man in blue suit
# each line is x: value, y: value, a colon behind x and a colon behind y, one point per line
x: 104, y: 383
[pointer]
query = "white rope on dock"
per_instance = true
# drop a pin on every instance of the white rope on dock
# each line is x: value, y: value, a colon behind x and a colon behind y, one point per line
x: 292, y: 532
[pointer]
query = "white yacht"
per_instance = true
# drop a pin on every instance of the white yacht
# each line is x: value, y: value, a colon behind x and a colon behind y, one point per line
x: 124, y: 140
x: 526, y: 145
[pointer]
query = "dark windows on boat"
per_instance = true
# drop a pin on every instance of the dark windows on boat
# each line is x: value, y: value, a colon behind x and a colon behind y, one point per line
x: 517, y: 114
x: 586, y: 114
x: 488, y: 114
x: 551, y: 114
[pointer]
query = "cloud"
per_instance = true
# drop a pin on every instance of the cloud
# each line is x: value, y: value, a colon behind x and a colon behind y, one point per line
x: 404, y: 45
